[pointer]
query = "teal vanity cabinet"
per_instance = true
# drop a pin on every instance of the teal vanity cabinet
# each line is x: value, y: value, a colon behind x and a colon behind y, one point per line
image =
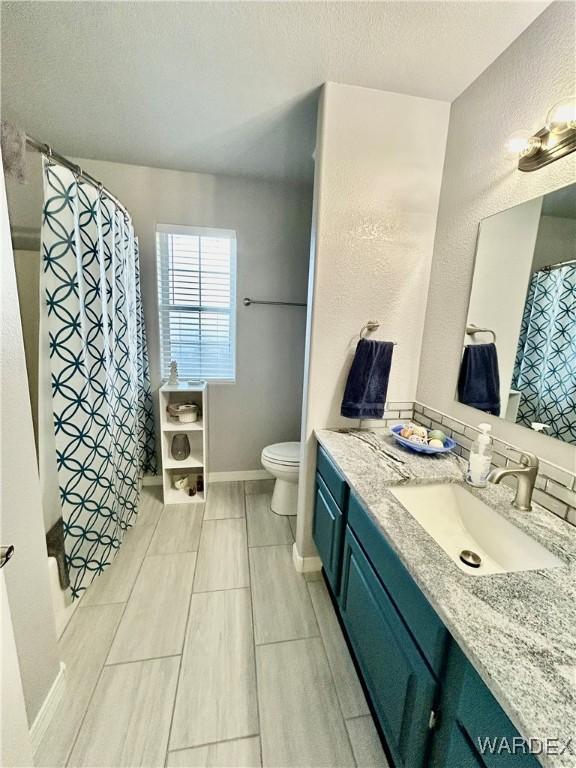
x: 330, y: 507
x: 431, y: 705
x: 474, y: 731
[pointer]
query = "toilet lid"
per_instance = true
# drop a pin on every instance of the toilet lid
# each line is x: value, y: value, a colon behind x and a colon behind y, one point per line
x: 283, y: 453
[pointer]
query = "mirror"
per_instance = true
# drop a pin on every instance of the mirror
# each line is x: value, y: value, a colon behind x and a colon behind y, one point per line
x: 519, y: 357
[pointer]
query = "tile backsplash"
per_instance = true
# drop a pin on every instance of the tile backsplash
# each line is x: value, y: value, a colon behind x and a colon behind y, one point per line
x: 555, y: 487
x: 395, y: 412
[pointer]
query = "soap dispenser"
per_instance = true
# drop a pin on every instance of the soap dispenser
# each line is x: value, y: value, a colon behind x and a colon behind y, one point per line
x: 480, y: 458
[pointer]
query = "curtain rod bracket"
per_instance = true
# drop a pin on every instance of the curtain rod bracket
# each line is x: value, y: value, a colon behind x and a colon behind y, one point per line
x: 79, y: 173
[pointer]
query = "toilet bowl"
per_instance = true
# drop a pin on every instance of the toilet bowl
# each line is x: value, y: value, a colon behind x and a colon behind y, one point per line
x: 282, y: 460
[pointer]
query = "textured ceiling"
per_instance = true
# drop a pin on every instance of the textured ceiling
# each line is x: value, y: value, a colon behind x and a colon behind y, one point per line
x: 229, y: 87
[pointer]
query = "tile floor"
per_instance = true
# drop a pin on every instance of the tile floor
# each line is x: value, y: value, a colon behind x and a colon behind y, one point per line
x: 201, y: 646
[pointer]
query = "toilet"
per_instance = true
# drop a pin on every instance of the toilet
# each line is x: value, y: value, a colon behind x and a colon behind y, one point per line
x: 282, y: 460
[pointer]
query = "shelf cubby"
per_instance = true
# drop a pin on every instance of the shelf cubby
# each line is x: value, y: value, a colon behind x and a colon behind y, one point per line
x: 197, y: 462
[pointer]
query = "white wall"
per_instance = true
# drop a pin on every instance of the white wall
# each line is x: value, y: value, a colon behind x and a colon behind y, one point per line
x: 379, y: 159
x: 15, y: 744
x: 21, y: 521
x: 272, y: 222
x: 515, y: 92
x: 501, y: 276
x: 556, y: 241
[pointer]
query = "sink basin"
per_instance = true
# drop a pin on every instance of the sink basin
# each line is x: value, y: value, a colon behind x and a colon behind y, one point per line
x: 461, y: 523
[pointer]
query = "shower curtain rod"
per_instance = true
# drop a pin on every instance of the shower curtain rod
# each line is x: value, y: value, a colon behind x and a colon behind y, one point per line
x: 47, y: 151
x: 560, y: 264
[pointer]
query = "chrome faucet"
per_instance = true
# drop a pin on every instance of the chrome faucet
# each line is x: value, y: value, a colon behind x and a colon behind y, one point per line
x: 526, y: 476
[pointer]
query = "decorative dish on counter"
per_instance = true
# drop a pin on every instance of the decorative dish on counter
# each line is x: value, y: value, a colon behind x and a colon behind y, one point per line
x: 422, y: 440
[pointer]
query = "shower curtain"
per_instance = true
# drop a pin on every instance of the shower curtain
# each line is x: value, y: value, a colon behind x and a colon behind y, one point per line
x: 545, y: 366
x: 101, y: 398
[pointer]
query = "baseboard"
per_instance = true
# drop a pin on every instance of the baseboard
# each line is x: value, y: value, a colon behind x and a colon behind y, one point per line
x: 305, y: 564
x: 247, y: 474
x: 152, y: 480
x: 49, y: 706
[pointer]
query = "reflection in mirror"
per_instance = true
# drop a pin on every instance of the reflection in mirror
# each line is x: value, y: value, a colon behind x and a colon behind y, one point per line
x: 519, y: 359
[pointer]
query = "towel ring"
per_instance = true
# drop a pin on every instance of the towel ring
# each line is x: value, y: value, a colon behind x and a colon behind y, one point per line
x: 371, y: 325
x: 472, y: 330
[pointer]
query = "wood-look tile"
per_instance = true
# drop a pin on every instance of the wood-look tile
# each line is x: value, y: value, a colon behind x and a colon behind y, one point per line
x: 178, y: 529
x: 128, y: 720
x: 224, y: 500
x: 300, y: 719
x: 282, y: 606
x: 264, y: 526
x: 293, y: 522
x: 238, y: 753
x: 83, y: 648
x: 154, y: 621
x: 222, y: 556
x: 115, y: 583
x: 217, y: 689
x: 151, y: 505
x: 366, y: 744
x: 352, y: 699
x: 259, y: 486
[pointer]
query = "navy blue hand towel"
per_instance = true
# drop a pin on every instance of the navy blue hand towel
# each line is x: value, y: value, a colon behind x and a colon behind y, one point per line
x: 479, y: 380
x: 367, y: 384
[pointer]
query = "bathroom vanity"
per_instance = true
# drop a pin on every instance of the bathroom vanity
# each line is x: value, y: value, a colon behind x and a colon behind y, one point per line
x: 458, y: 666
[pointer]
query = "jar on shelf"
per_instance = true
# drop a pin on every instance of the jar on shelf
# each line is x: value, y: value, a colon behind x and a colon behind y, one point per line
x: 180, y: 447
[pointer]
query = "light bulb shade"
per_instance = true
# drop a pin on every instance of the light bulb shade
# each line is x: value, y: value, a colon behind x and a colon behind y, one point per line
x: 562, y: 116
x: 522, y: 144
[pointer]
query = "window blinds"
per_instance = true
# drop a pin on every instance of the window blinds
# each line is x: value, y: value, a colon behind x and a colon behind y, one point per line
x: 197, y: 301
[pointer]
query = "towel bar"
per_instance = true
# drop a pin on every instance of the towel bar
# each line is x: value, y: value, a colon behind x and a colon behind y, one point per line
x: 247, y: 302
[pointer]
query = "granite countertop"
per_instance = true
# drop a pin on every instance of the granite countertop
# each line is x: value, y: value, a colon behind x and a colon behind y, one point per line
x: 517, y: 629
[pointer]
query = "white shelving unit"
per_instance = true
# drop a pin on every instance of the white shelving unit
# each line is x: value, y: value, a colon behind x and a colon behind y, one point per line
x: 197, y: 462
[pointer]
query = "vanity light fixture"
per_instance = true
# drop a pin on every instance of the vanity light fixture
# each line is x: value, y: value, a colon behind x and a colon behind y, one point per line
x: 557, y: 139
x: 562, y: 117
x: 522, y: 144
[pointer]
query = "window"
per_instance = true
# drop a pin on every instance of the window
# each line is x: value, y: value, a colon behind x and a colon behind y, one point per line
x: 197, y: 301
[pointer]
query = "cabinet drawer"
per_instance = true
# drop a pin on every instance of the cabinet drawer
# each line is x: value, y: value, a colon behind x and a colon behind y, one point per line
x: 423, y: 622
x: 333, y: 479
x: 401, y: 686
x: 327, y: 531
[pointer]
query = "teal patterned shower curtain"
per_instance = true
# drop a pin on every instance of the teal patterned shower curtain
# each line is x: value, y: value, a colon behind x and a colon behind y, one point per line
x: 545, y: 366
x: 101, y: 398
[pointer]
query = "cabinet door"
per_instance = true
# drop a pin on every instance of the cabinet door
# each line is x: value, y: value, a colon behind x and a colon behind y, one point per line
x: 401, y: 686
x: 460, y: 743
x: 482, y: 720
x: 421, y: 619
x: 327, y: 532
x: 460, y: 753
x: 474, y: 729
